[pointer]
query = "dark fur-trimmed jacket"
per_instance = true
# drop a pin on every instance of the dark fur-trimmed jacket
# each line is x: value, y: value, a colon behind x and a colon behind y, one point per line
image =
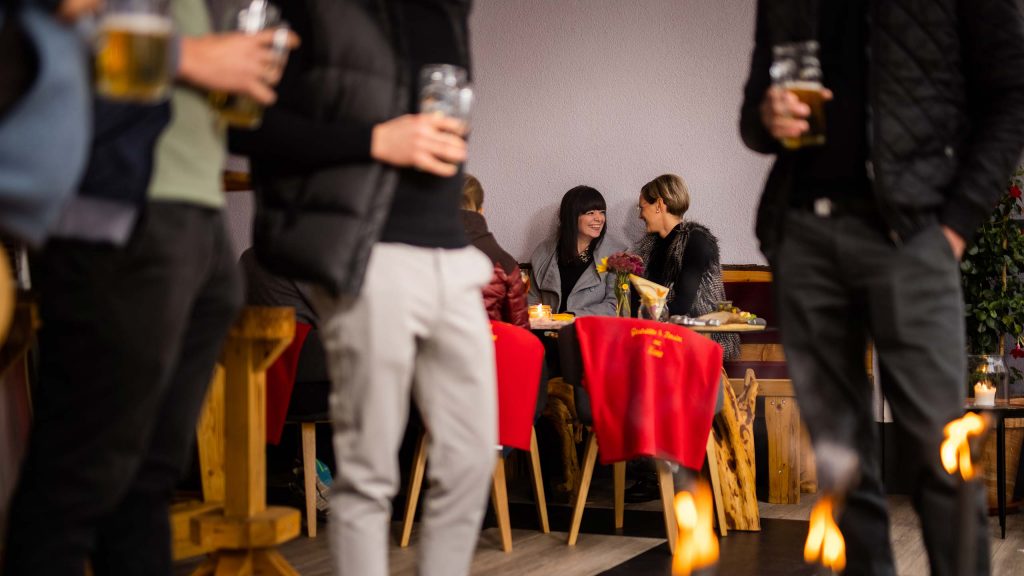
x: 946, y: 94
x: 710, y: 289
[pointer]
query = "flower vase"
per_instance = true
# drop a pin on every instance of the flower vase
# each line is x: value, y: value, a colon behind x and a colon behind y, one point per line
x: 622, y: 305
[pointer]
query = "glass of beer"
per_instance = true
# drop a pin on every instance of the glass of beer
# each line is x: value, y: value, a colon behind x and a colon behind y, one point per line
x: 133, y: 53
x: 242, y: 111
x: 796, y: 68
x: 445, y: 90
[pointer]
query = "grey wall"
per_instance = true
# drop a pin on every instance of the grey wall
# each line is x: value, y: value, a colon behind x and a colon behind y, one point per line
x: 609, y: 93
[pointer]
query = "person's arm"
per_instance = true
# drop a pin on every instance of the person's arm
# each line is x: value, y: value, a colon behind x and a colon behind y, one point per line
x: 992, y: 33
x: 697, y: 258
x: 755, y: 135
x: 238, y: 63
x: 429, y: 143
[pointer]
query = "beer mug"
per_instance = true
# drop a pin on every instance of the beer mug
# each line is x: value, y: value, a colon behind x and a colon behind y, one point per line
x: 133, y: 52
x: 444, y: 89
x: 796, y: 68
x: 242, y: 111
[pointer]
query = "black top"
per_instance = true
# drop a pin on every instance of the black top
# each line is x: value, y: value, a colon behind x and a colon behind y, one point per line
x: 697, y: 258
x: 570, y: 274
x: 837, y: 169
x: 426, y: 208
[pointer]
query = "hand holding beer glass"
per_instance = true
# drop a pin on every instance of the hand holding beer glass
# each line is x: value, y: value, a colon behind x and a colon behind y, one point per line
x: 794, y: 107
x: 133, y: 53
x: 238, y: 110
x: 432, y: 141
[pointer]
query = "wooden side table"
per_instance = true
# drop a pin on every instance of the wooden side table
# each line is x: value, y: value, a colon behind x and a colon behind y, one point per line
x: 245, y: 533
x: 999, y: 414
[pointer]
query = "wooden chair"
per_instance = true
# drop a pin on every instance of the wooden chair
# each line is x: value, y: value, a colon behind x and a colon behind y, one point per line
x: 302, y: 363
x: 519, y: 356
x: 572, y: 367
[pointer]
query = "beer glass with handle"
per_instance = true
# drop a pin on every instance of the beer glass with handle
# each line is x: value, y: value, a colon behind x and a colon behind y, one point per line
x: 133, y: 51
x: 796, y: 68
x: 258, y: 15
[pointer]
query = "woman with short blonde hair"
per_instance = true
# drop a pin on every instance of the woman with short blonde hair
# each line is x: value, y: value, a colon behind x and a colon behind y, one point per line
x: 672, y: 190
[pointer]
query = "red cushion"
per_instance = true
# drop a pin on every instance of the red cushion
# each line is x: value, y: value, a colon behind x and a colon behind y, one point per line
x: 281, y: 381
x: 652, y: 388
x: 518, y: 356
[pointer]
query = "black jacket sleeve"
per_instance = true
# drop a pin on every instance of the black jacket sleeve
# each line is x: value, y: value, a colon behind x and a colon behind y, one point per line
x: 754, y: 134
x: 289, y: 137
x: 697, y: 258
x: 992, y: 35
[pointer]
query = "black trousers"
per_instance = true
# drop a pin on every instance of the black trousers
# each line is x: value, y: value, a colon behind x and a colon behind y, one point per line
x: 128, y: 343
x: 840, y: 282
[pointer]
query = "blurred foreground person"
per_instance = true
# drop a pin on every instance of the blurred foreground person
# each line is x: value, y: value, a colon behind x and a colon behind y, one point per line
x: 362, y: 197
x: 137, y: 290
x: 864, y: 223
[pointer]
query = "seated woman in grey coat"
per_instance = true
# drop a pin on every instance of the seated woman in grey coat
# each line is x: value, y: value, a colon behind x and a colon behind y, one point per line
x: 565, y: 274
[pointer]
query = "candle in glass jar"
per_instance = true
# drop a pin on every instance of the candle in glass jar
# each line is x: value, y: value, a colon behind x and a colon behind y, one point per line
x: 540, y: 312
x: 984, y: 394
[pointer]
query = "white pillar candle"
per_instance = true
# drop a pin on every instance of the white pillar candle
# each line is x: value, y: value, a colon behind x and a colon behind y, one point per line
x: 984, y: 395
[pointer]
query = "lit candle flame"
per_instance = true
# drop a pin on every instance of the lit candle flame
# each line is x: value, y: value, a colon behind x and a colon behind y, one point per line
x: 697, y: 546
x: 825, y: 543
x: 956, y: 448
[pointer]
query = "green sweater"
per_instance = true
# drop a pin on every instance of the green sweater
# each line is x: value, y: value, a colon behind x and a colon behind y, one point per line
x: 190, y: 153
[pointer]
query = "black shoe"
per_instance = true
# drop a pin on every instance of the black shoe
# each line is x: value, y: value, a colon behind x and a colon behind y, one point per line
x: 643, y: 490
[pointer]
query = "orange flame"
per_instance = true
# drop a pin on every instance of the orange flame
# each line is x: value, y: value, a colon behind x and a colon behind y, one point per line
x: 697, y: 546
x: 825, y: 543
x: 956, y: 448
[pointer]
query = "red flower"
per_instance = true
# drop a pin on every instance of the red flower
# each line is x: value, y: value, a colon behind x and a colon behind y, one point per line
x: 1014, y: 191
x: 1017, y: 352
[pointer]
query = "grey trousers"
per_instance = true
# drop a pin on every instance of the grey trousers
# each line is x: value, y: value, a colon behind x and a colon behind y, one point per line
x: 840, y: 282
x: 419, y: 326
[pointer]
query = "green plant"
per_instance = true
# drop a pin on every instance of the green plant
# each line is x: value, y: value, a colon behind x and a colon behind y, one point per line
x: 991, y: 273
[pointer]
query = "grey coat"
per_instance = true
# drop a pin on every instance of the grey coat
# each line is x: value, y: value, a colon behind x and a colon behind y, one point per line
x: 594, y: 293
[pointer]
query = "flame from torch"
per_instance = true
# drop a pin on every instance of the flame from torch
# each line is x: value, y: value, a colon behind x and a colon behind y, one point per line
x: 956, y: 448
x: 697, y: 546
x: 825, y: 543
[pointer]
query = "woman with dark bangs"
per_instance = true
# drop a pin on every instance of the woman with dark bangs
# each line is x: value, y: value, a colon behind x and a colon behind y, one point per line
x: 565, y: 266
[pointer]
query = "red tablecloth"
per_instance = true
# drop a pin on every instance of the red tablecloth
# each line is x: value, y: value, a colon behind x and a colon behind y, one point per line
x: 518, y: 356
x: 281, y: 381
x: 652, y: 388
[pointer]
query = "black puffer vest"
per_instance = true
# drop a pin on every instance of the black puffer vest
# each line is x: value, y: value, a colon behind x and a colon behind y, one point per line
x: 320, y: 226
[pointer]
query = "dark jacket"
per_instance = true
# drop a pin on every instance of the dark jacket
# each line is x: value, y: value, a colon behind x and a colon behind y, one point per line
x: 946, y: 95
x: 319, y: 223
x: 478, y: 235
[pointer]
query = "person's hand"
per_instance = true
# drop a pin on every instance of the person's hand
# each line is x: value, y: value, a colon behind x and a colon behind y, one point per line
x: 956, y: 242
x: 428, y: 142
x: 783, y: 114
x: 72, y: 10
x: 235, y: 62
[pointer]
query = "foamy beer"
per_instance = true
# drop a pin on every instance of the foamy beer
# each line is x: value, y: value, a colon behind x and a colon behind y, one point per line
x: 242, y: 111
x: 796, y: 68
x: 133, y: 56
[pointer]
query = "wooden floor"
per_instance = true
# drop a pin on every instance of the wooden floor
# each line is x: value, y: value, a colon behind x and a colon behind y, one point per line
x: 641, y: 550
